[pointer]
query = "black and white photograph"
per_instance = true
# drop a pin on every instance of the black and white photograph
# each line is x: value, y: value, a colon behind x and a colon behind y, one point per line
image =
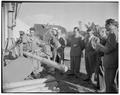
x: 59, y: 47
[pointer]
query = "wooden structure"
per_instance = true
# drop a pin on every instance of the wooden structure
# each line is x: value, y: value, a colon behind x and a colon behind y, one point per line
x: 9, y: 15
x: 9, y: 12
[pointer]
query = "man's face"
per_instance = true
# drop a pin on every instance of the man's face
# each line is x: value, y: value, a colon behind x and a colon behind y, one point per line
x: 76, y: 31
x: 21, y: 35
x: 103, y: 33
x: 32, y: 32
x: 55, y: 33
x: 112, y: 27
x: 91, y: 32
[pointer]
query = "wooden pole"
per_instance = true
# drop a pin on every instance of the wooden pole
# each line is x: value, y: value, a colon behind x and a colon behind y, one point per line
x: 26, y: 82
x: 6, y: 24
x: 25, y: 88
x: 3, y: 33
x: 40, y: 90
x: 3, y: 26
x: 10, y: 18
x: 44, y: 89
x: 48, y: 62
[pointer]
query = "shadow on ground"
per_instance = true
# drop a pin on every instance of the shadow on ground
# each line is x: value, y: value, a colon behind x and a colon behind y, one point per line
x: 70, y: 84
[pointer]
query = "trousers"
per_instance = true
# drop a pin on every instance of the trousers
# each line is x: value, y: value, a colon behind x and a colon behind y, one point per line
x: 109, y: 80
x: 75, y: 64
x: 90, y: 64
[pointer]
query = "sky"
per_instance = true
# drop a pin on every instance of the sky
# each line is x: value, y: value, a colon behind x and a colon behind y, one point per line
x: 67, y: 14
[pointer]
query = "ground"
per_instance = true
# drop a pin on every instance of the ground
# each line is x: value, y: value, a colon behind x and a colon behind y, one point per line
x: 67, y: 58
x: 63, y: 82
x: 71, y: 83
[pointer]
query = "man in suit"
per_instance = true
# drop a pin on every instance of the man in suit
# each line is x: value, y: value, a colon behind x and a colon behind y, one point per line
x: 90, y: 56
x: 110, y: 60
x: 75, y: 52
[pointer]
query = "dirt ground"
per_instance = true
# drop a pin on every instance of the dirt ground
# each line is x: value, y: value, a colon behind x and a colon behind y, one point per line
x: 65, y: 83
x: 71, y: 84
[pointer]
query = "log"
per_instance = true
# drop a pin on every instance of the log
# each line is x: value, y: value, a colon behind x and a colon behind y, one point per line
x: 45, y: 89
x: 26, y: 82
x: 25, y: 88
x: 48, y: 62
x: 42, y: 89
x: 37, y: 90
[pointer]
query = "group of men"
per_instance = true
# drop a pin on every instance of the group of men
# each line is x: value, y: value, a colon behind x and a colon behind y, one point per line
x: 57, y: 43
x: 101, y: 55
x: 52, y: 49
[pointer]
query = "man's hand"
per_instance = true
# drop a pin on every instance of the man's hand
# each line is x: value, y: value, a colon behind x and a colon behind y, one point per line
x: 98, y: 46
x: 95, y: 40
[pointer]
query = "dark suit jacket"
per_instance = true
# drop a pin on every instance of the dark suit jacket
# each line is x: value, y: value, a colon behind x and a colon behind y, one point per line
x: 111, y: 53
x: 62, y: 42
x: 77, y: 45
x: 89, y: 51
x: 60, y: 50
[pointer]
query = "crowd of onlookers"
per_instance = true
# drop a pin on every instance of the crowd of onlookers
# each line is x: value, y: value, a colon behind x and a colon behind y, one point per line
x: 101, y: 51
x: 101, y: 54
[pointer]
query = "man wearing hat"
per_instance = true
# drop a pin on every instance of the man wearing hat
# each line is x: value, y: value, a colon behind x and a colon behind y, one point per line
x: 110, y: 60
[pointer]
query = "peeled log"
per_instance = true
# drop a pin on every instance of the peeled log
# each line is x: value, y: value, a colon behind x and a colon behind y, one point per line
x: 26, y: 82
x: 48, y: 62
x: 25, y: 88
x: 37, y: 89
x: 45, y: 89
